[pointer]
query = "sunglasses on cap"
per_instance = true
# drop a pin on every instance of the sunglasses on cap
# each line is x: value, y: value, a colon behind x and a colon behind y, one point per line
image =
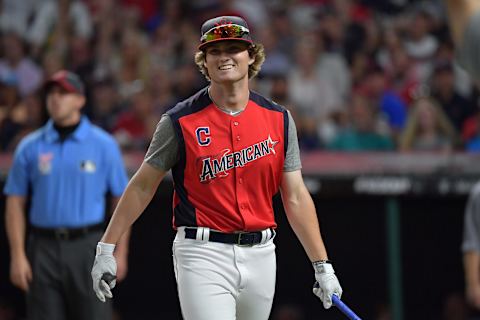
x: 229, y: 31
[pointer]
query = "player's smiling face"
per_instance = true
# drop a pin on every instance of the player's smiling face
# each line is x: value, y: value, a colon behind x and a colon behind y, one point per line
x: 227, y: 61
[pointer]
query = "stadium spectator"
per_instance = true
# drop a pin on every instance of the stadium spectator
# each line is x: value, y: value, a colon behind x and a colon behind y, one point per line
x: 161, y: 89
x: 401, y: 71
x: 420, y: 43
x: 131, y: 66
x: 15, y: 15
x: 278, y: 62
x: 388, y: 102
x: 106, y: 103
x: 332, y: 68
x: 9, y: 99
x: 15, y: 64
x: 315, y: 100
x: 427, y: 129
x: 55, y: 22
x: 23, y: 117
x: 362, y: 134
x: 137, y: 123
x: 457, y: 108
x: 471, y: 133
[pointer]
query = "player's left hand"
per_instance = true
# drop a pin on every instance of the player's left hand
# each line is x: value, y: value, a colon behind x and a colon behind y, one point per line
x: 327, y: 283
x: 104, y: 271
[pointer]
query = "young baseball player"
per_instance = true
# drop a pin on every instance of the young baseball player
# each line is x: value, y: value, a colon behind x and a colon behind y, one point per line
x: 230, y: 150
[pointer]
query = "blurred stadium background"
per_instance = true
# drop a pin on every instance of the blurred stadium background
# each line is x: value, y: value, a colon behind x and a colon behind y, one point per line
x: 388, y: 126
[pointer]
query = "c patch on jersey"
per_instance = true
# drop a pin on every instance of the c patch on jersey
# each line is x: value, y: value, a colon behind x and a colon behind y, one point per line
x: 203, y: 136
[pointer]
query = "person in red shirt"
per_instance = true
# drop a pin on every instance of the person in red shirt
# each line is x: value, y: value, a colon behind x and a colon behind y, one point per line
x: 230, y: 150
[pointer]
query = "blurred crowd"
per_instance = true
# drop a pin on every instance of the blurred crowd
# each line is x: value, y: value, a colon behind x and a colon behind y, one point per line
x: 356, y: 75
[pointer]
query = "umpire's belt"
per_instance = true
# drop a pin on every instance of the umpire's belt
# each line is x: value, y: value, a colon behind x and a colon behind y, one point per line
x: 238, y: 238
x: 66, y: 233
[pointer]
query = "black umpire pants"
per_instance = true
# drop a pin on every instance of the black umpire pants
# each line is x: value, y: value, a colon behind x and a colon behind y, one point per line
x: 61, y: 288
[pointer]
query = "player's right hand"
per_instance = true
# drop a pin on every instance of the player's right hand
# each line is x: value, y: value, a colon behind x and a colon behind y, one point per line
x: 20, y: 272
x: 103, y: 267
x: 326, y: 284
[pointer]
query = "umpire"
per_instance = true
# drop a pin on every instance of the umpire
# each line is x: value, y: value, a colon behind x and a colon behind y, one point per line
x: 66, y: 168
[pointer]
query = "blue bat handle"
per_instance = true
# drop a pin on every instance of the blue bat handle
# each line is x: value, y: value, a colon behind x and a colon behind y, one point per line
x: 344, y: 308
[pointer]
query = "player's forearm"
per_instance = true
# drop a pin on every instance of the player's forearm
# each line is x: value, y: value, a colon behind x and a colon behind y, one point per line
x: 302, y: 217
x: 15, y: 224
x: 471, y: 264
x: 131, y: 205
x: 122, y: 246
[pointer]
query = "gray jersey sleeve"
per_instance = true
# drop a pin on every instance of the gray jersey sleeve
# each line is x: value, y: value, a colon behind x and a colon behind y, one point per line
x: 163, y: 150
x: 468, y: 52
x: 292, y: 157
x: 471, y: 226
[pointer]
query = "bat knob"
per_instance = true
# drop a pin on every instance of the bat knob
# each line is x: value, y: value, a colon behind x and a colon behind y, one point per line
x: 108, y: 277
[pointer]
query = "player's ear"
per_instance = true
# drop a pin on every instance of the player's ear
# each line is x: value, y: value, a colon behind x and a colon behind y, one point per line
x: 251, y: 55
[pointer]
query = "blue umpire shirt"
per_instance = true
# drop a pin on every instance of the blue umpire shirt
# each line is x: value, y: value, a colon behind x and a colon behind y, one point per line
x: 69, y: 179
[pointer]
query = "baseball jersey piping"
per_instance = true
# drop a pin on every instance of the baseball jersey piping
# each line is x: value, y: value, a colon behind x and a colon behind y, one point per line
x: 184, y: 212
x: 270, y: 105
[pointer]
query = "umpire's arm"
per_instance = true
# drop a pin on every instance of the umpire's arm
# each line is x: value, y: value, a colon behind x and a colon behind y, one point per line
x: 138, y: 194
x: 302, y: 215
x: 15, y: 223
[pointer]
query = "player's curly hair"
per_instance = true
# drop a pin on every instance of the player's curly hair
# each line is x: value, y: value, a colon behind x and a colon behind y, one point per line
x: 255, y: 51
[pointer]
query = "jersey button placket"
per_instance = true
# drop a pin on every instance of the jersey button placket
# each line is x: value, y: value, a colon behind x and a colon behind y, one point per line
x: 235, y: 133
x: 239, y: 188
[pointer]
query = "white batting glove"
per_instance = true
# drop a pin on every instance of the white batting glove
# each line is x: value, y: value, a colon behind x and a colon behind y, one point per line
x: 104, y: 271
x: 327, y: 283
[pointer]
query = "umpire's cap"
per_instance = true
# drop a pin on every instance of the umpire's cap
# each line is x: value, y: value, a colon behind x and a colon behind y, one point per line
x: 224, y: 28
x: 69, y: 81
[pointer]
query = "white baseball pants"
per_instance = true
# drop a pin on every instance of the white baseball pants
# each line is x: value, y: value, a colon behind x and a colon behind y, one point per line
x: 218, y: 281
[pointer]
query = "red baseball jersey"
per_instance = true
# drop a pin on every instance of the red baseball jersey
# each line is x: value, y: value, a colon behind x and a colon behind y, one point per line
x: 229, y: 167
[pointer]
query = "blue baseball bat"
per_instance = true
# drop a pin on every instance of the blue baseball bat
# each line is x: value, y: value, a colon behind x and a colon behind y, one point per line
x: 344, y: 308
